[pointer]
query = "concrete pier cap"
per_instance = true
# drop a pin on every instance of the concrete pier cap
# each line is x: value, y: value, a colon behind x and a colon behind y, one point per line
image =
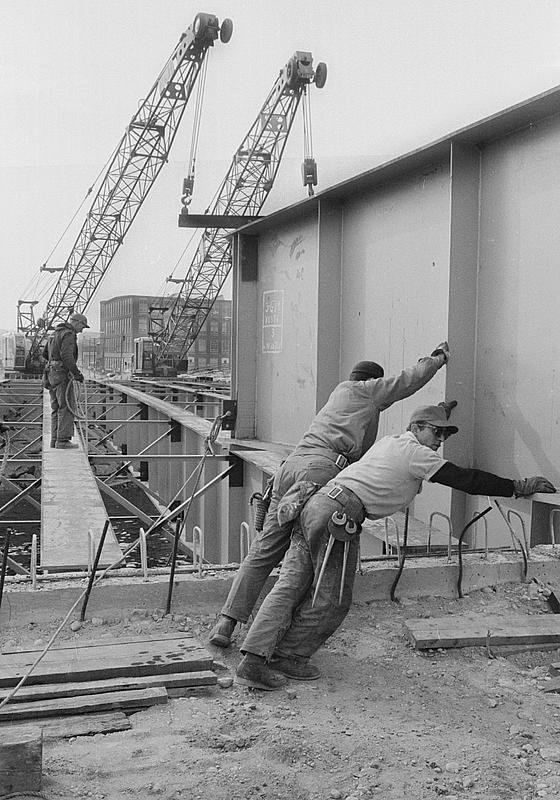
x: 118, y: 598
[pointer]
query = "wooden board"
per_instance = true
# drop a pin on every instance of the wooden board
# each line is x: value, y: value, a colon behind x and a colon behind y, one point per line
x: 109, y: 701
x: 80, y: 725
x: 552, y: 686
x: 131, y: 659
x: 48, y: 691
x: 473, y: 631
x: 104, y: 642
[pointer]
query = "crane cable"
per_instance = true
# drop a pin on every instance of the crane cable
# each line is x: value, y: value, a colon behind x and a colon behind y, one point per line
x: 307, y: 131
x: 188, y: 183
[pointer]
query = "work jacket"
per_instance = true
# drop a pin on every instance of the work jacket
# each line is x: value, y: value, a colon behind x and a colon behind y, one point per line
x: 61, y: 351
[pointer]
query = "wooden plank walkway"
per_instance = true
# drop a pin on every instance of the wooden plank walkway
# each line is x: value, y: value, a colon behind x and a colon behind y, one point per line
x: 476, y: 631
x: 70, y: 506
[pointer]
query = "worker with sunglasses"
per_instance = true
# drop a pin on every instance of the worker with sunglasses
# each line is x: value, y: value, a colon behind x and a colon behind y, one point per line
x: 313, y: 593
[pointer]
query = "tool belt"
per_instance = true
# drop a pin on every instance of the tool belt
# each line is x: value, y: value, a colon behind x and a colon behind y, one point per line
x: 345, y: 524
x: 340, y: 460
x: 337, y: 458
x: 53, y: 363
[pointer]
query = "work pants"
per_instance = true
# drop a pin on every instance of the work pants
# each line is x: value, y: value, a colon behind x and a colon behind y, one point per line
x: 270, y: 545
x: 288, y: 624
x: 62, y: 417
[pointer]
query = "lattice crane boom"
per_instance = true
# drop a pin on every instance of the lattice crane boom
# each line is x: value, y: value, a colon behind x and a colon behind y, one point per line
x: 243, y: 192
x: 138, y: 160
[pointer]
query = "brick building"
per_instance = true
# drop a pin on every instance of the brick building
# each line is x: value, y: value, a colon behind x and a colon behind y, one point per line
x: 126, y: 318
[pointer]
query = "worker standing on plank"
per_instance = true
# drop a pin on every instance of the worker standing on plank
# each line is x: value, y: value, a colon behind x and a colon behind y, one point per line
x: 314, y: 590
x: 342, y: 430
x: 61, y: 352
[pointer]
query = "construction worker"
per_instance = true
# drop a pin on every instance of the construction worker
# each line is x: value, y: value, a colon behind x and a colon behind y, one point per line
x: 301, y: 611
x: 345, y: 426
x: 61, y: 352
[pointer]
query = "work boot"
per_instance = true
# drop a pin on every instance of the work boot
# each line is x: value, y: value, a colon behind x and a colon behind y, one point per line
x: 298, y: 669
x: 66, y: 446
x: 254, y: 672
x: 220, y: 635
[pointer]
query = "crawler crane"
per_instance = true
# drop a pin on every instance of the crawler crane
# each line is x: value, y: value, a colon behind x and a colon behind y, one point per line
x: 138, y: 160
x: 241, y: 195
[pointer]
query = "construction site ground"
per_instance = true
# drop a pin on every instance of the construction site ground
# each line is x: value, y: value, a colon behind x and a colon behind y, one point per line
x: 384, y: 721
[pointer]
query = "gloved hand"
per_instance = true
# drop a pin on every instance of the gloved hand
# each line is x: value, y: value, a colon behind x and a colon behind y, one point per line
x: 448, y: 406
x: 442, y: 350
x: 527, y: 486
x: 79, y: 377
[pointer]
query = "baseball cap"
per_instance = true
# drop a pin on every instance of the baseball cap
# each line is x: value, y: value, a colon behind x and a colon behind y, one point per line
x: 433, y: 415
x: 79, y: 318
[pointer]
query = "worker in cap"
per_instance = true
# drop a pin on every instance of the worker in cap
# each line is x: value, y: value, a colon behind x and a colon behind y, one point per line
x: 61, y: 353
x: 344, y: 428
x: 313, y: 594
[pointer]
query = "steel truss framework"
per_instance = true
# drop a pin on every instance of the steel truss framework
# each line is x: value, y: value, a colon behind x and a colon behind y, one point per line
x: 140, y: 156
x: 242, y: 192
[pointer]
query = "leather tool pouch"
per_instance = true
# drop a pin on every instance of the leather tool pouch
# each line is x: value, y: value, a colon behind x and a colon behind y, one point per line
x: 290, y: 506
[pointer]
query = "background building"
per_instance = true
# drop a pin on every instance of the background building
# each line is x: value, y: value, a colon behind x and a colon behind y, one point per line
x: 126, y: 318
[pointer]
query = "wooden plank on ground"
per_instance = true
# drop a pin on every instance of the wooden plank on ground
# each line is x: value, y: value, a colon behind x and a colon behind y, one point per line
x: 48, y: 691
x: 79, y: 725
x: 473, y: 631
x: 106, y: 661
x: 552, y: 685
x: 109, y: 701
x: 105, y: 642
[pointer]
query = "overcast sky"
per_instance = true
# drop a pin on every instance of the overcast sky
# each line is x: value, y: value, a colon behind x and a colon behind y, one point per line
x: 401, y: 73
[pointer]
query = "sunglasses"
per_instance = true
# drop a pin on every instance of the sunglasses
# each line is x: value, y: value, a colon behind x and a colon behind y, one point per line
x: 441, y: 433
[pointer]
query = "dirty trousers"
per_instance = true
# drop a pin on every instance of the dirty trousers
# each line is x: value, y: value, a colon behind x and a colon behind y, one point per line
x: 270, y: 545
x: 287, y: 623
x: 62, y: 418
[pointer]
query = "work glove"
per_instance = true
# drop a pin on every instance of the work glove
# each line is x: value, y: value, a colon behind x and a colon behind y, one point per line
x: 448, y: 406
x: 442, y: 350
x: 79, y: 377
x: 527, y: 486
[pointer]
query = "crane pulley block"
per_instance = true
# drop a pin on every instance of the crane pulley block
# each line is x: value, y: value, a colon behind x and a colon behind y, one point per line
x: 309, y: 172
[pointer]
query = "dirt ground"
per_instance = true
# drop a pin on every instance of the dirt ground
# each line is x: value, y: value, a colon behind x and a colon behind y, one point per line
x: 384, y: 721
